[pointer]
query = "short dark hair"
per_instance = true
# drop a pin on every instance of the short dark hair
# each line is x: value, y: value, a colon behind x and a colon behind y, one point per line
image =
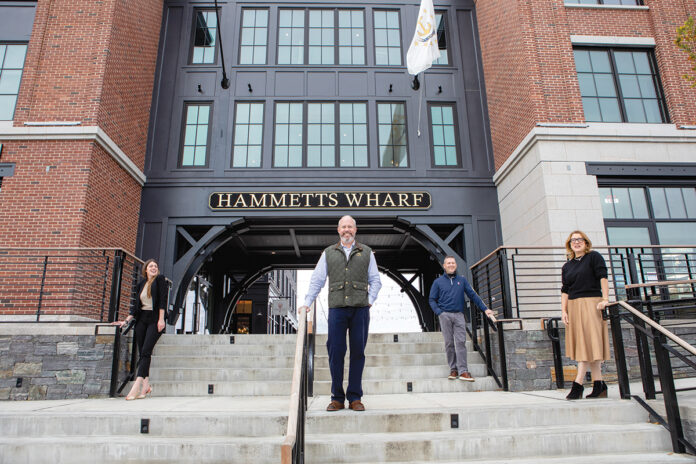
x: 449, y: 257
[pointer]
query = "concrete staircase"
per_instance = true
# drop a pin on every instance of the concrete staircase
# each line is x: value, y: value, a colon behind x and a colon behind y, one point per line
x: 244, y: 418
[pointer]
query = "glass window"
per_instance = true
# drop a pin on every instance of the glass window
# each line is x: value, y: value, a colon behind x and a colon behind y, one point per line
x: 623, y: 203
x: 196, y: 129
x: 391, y: 126
x: 673, y: 202
x: 291, y: 36
x: 11, y: 66
x: 321, y: 37
x: 601, y: 71
x: 248, y: 135
x: 443, y: 127
x: 254, y: 37
x: 288, y: 135
x: 387, y: 38
x: 351, y: 37
x: 353, y: 134
x: 205, y: 37
x: 676, y: 233
x: 441, y: 20
x: 321, y: 146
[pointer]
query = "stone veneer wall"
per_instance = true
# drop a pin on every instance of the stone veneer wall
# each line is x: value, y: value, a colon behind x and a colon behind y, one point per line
x: 58, y: 366
x: 529, y: 356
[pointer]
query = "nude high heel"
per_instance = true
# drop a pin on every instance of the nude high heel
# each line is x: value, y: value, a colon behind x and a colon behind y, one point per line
x: 146, y: 393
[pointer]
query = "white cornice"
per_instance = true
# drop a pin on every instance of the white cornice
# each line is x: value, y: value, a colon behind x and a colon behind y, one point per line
x: 612, y: 40
x: 595, y: 132
x: 76, y: 133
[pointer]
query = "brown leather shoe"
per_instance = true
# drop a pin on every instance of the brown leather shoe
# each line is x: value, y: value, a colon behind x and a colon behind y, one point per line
x: 453, y: 375
x: 335, y: 406
x: 465, y: 376
x: 357, y: 405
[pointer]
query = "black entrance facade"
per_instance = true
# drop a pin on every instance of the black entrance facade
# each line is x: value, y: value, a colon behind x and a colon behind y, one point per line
x: 320, y: 119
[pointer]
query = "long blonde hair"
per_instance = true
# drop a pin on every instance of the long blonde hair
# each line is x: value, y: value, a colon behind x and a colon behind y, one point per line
x: 148, y: 285
x: 570, y: 254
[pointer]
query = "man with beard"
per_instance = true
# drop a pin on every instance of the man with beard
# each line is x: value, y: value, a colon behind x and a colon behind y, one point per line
x: 353, y: 287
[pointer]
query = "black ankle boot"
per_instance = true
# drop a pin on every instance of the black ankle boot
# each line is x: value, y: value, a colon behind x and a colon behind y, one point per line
x: 599, y: 390
x: 575, y: 392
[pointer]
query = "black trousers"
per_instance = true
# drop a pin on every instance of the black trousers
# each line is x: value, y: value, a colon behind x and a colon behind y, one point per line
x: 146, y: 336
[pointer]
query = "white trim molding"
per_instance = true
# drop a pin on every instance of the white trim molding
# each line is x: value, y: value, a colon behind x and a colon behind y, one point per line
x: 612, y: 40
x: 595, y: 132
x: 94, y: 133
x: 613, y: 7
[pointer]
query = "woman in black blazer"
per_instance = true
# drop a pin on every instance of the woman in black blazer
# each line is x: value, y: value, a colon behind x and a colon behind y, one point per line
x: 148, y: 312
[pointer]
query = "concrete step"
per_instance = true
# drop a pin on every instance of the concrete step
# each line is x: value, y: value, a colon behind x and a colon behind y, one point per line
x: 280, y: 374
x: 239, y: 339
x: 140, y: 449
x: 509, y: 443
x: 627, y: 458
x: 287, y: 349
x: 390, y: 387
x: 220, y: 388
x: 410, y: 337
x: 321, y: 359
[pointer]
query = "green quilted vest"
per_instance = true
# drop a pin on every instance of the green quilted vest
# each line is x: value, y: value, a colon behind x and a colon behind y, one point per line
x: 347, y: 278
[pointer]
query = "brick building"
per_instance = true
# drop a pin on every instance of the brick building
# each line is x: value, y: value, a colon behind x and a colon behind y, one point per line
x: 593, y: 126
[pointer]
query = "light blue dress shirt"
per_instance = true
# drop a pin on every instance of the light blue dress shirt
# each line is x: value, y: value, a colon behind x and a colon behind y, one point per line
x: 316, y: 283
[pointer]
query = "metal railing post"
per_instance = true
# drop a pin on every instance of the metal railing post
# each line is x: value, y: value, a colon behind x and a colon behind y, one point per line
x: 664, y: 368
x: 643, y: 349
x: 619, y: 353
x: 555, y: 337
x: 116, y: 279
x: 41, y: 289
x: 115, y: 361
x: 505, y: 284
x: 503, y: 358
x: 487, y: 343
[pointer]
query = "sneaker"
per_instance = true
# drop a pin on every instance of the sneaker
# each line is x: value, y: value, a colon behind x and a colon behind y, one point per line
x: 453, y: 375
x: 465, y: 376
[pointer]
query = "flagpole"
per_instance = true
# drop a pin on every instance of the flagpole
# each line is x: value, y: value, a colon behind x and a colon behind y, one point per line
x: 420, y: 104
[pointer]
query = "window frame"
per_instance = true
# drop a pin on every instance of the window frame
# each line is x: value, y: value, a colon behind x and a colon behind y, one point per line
x: 337, y: 35
x: 241, y: 31
x: 401, y: 37
x: 24, y: 63
x: 338, y: 133
x: 379, y: 151
x: 655, y: 72
x: 445, y: 18
x: 455, y: 117
x: 234, y: 133
x: 193, y: 38
x: 187, y: 104
x: 304, y: 135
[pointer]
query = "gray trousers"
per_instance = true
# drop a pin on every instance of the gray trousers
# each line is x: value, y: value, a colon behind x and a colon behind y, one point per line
x: 453, y: 326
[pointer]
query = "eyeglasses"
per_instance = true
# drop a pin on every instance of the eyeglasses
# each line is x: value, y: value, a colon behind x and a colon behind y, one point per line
x: 577, y: 240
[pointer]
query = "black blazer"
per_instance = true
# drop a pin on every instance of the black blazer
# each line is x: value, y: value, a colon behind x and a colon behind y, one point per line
x: 159, y: 291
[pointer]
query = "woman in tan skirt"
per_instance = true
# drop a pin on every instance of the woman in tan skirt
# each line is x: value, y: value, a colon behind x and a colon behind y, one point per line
x: 584, y: 295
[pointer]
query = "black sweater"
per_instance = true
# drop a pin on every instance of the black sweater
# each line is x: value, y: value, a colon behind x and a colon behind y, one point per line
x: 158, y: 290
x: 581, y: 276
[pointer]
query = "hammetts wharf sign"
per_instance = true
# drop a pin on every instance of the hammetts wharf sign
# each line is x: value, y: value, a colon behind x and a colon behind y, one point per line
x: 223, y: 201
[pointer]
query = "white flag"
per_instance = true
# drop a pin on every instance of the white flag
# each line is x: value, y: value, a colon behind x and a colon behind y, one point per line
x: 423, y: 50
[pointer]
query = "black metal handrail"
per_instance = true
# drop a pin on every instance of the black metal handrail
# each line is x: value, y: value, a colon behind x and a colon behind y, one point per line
x: 94, y: 284
x: 648, y: 327
x: 525, y: 282
x: 552, y: 331
x: 293, y: 447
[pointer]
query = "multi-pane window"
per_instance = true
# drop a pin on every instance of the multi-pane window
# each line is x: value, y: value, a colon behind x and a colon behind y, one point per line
x: 604, y: 2
x: 619, y: 86
x: 391, y: 126
x: 353, y: 134
x: 623, y: 203
x: 11, y: 65
x: 254, y: 38
x: 248, y: 135
x: 441, y: 21
x: 288, y: 135
x: 673, y: 202
x: 387, y: 38
x: 291, y: 36
x: 204, y: 37
x: 321, y: 37
x: 196, y: 131
x: 444, y: 139
x: 351, y: 37
x: 321, y: 145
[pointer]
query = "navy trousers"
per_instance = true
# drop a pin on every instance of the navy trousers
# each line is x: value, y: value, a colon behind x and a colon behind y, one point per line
x: 356, y: 322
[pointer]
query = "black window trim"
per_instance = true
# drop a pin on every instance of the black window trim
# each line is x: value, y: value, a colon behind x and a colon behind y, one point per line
x: 209, y: 103
x: 193, y: 38
x: 234, y: 131
x: 615, y: 77
x: 408, y: 147
x: 241, y: 28
x: 401, y: 37
x: 455, y: 117
x: 445, y: 18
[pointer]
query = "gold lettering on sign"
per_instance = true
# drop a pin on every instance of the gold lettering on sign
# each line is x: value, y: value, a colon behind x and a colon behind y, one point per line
x: 388, y: 201
x: 294, y: 200
x: 333, y: 200
x: 277, y: 203
x: 321, y: 199
x: 306, y: 197
x: 403, y: 200
x: 224, y: 200
x: 240, y: 202
x: 372, y: 199
x: 258, y: 202
x: 353, y: 199
x: 417, y: 197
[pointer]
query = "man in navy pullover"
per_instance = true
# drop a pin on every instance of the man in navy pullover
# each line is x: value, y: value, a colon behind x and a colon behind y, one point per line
x: 448, y: 303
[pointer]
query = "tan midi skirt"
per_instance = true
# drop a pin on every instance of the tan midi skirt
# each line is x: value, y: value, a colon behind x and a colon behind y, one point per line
x: 587, y: 336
